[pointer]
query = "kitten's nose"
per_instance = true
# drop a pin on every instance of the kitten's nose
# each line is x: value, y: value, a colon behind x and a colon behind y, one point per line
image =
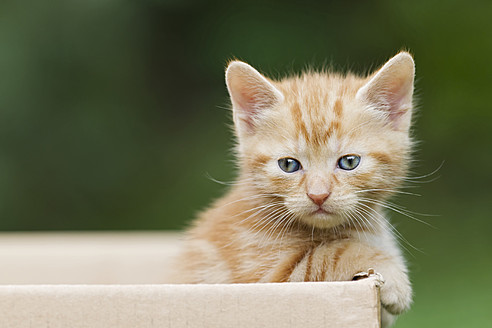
x: 319, y: 199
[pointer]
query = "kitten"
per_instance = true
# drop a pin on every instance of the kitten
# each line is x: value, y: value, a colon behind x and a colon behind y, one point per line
x: 318, y: 154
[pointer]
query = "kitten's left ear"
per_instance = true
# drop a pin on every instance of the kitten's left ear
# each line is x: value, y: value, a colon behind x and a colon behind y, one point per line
x: 251, y: 93
x: 390, y: 90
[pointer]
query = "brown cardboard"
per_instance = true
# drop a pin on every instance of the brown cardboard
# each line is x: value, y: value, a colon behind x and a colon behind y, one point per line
x: 100, y: 258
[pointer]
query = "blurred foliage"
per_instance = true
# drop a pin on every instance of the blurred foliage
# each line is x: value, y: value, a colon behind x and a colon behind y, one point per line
x: 113, y: 112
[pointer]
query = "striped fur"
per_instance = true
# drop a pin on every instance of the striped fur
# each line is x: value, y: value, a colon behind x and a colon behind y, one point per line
x: 266, y: 228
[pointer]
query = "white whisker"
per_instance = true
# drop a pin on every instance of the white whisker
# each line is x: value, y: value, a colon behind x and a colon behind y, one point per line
x: 414, y: 179
x: 395, y: 208
x: 387, y: 190
x: 392, y: 228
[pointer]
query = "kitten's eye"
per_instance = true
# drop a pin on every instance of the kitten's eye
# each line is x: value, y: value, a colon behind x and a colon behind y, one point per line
x: 289, y: 165
x: 348, y: 162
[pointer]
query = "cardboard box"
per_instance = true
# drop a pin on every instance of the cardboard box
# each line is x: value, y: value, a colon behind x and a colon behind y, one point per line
x: 97, y: 280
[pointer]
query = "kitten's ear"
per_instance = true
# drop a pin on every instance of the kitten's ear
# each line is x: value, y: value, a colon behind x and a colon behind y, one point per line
x: 250, y: 93
x: 390, y: 90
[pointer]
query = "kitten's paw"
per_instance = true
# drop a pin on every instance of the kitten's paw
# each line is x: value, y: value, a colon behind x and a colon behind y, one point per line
x: 396, y: 294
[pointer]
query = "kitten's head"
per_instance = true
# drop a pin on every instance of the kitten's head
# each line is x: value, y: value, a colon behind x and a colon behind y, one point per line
x: 329, y: 147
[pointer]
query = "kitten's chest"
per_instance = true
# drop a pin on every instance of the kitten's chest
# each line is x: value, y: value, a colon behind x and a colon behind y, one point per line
x: 294, y: 258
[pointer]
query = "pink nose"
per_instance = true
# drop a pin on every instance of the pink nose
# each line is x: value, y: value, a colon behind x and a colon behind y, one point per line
x: 319, y: 199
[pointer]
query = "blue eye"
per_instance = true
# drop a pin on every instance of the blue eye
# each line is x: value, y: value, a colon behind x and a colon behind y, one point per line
x: 348, y: 162
x: 289, y: 165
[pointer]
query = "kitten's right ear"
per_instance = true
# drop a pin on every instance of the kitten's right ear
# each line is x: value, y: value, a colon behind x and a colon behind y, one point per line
x: 250, y: 93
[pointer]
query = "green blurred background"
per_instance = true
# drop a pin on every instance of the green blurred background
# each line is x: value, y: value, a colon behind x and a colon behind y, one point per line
x: 113, y: 112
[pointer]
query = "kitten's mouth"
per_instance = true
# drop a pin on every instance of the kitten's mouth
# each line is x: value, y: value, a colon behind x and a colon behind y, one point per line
x: 322, y: 211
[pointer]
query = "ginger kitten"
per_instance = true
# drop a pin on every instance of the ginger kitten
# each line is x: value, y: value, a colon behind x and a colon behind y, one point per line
x: 318, y: 154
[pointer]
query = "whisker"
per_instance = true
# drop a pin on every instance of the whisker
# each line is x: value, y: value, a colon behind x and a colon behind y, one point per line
x: 265, y: 221
x: 269, y: 218
x: 388, y: 190
x: 228, y: 183
x: 353, y: 221
x: 259, y: 210
x: 272, y: 202
x: 391, y: 228
x: 412, y: 179
x: 278, y: 221
x: 391, y: 207
x: 251, y: 197
x: 384, y: 203
x: 358, y: 127
x: 367, y: 222
x: 289, y: 214
x: 290, y: 221
x: 286, y: 217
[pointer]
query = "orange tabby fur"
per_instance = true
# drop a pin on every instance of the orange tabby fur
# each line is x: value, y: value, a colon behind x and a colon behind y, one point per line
x: 265, y: 228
